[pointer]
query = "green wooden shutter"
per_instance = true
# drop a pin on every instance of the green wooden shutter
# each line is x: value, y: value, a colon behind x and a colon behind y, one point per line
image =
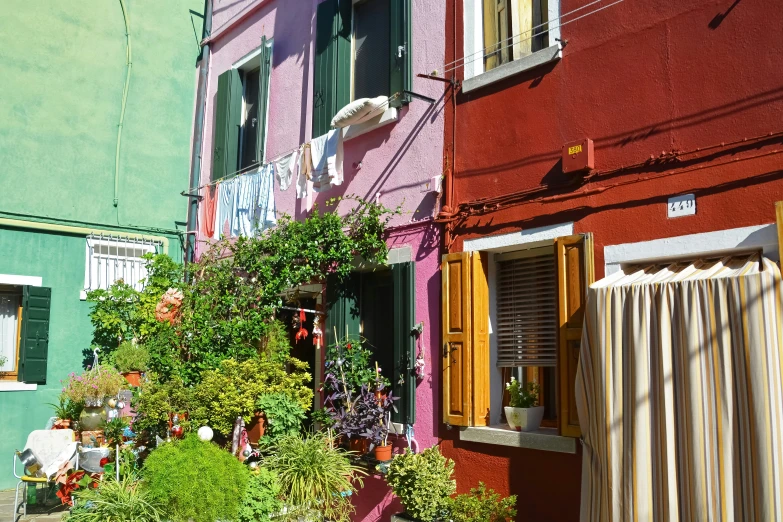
x: 263, y: 95
x: 332, y: 74
x: 228, y: 109
x: 342, y: 299
x: 404, y: 381
x: 401, y: 47
x: 34, y: 347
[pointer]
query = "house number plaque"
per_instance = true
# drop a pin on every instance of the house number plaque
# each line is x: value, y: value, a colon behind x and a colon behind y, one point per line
x: 684, y: 205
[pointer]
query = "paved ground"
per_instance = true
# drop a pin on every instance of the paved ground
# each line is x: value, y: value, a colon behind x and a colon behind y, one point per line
x: 52, y: 511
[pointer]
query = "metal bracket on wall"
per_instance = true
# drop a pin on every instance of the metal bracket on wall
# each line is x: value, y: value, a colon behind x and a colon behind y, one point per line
x: 198, y: 197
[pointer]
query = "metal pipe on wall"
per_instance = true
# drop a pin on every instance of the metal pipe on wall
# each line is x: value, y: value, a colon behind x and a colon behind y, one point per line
x: 198, y: 134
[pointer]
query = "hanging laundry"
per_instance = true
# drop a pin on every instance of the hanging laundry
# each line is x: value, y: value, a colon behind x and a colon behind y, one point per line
x: 305, y: 170
x: 286, y: 169
x: 246, y: 201
x: 225, y: 208
x: 265, y: 215
x: 208, y: 207
x: 327, y: 156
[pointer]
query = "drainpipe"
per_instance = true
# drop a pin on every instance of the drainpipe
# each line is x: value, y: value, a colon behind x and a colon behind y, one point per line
x: 198, y: 135
x: 128, y: 65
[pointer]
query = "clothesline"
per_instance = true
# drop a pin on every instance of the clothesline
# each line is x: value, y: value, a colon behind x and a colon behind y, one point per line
x: 250, y: 168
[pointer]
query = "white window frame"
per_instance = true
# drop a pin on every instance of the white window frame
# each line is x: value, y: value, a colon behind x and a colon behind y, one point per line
x: 733, y: 240
x: 498, y: 244
x: 144, y: 246
x: 473, y: 45
x: 19, y: 280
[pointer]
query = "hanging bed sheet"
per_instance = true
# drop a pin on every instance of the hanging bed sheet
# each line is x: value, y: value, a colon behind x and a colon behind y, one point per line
x: 679, y: 393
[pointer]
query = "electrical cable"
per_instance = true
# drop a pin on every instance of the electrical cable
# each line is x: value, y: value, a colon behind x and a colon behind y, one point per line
x: 128, y: 65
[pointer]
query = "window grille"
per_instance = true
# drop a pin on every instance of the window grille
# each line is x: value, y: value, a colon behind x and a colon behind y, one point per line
x: 527, y: 308
x: 113, y: 258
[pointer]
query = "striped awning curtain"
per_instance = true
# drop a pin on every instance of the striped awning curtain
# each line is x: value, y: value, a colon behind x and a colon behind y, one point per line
x: 679, y: 394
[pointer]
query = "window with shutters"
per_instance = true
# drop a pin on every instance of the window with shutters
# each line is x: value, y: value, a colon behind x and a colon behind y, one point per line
x: 24, y: 333
x: 241, y: 114
x: 514, y: 313
x: 513, y: 29
x: 362, y: 50
x: 379, y: 306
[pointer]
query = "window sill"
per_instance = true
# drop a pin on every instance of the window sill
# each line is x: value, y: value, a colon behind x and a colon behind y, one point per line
x: 544, y: 439
x: 17, y: 386
x: 531, y: 61
x: 390, y: 115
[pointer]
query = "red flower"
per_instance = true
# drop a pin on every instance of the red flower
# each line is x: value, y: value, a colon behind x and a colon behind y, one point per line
x: 104, y: 461
x: 348, y: 346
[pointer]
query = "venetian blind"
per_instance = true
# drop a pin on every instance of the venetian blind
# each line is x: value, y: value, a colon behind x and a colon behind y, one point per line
x: 527, y: 308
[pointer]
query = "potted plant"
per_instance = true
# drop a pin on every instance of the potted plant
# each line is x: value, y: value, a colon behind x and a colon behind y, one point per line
x: 91, y: 388
x: 316, y: 478
x: 360, y: 418
x: 283, y: 416
x: 131, y: 360
x: 67, y: 412
x: 423, y: 483
x: 522, y: 414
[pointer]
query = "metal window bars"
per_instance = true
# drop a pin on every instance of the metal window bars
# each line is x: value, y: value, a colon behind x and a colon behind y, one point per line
x: 111, y: 258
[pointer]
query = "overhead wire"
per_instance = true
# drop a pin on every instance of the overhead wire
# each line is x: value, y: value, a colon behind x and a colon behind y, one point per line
x: 454, y: 65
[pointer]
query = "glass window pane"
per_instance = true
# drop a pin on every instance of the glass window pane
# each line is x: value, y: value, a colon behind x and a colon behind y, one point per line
x: 372, y: 55
x: 9, y: 324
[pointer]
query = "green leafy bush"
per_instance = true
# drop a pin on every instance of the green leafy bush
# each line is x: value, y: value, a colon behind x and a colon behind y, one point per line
x: 283, y: 416
x: 315, y: 478
x: 156, y: 399
x: 113, y: 430
x: 131, y: 357
x: 262, y: 497
x: 195, y: 480
x: 483, y: 505
x: 423, y: 483
x: 125, y: 500
x: 232, y: 390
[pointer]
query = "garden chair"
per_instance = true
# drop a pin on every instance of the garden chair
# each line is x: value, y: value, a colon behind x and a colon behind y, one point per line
x: 52, y: 448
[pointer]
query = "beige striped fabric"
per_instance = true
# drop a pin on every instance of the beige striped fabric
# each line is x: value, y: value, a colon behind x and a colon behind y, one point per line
x: 679, y: 394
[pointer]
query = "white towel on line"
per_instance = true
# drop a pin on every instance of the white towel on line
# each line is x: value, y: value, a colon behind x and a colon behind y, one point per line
x: 286, y: 169
x: 327, y: 155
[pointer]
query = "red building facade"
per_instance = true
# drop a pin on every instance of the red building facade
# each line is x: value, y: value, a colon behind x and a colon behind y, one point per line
x: 681, y: 100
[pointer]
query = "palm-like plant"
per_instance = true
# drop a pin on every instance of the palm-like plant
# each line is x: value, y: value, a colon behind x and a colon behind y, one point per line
x: 316, y: 478
x: 116, y: 501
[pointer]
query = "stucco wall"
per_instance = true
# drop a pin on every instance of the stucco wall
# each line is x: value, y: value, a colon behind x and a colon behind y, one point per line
x: 63, y: 72
x: 396, y: 160
x: 639, y: 79
x: 63, y: 76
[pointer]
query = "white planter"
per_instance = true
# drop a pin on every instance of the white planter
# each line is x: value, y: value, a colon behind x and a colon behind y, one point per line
x: 524, y: 419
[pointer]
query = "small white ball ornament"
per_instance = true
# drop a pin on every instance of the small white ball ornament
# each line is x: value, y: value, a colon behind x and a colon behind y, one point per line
x: 253, y: 465
x: 205, y: 433
x: 120, y: 405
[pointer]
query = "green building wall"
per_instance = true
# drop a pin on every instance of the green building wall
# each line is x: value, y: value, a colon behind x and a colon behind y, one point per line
x: 62, y: 73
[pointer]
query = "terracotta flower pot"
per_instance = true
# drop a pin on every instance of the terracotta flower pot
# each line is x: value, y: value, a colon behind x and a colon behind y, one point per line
x: 256, y: 428
x: 383, y: 453
x: 358, y: 445
x: 133, y: 378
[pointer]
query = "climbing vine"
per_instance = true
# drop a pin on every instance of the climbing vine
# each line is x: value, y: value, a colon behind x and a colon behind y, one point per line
x: 236, y: 287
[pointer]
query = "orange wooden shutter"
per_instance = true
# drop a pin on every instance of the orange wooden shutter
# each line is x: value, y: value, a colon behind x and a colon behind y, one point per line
x: 479, y: 412
x: 779, y: 222
x: 465, y: 350
x: 574, y: 274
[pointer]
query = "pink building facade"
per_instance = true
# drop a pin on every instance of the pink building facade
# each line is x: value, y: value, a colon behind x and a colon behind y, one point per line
x: 395, y: 158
